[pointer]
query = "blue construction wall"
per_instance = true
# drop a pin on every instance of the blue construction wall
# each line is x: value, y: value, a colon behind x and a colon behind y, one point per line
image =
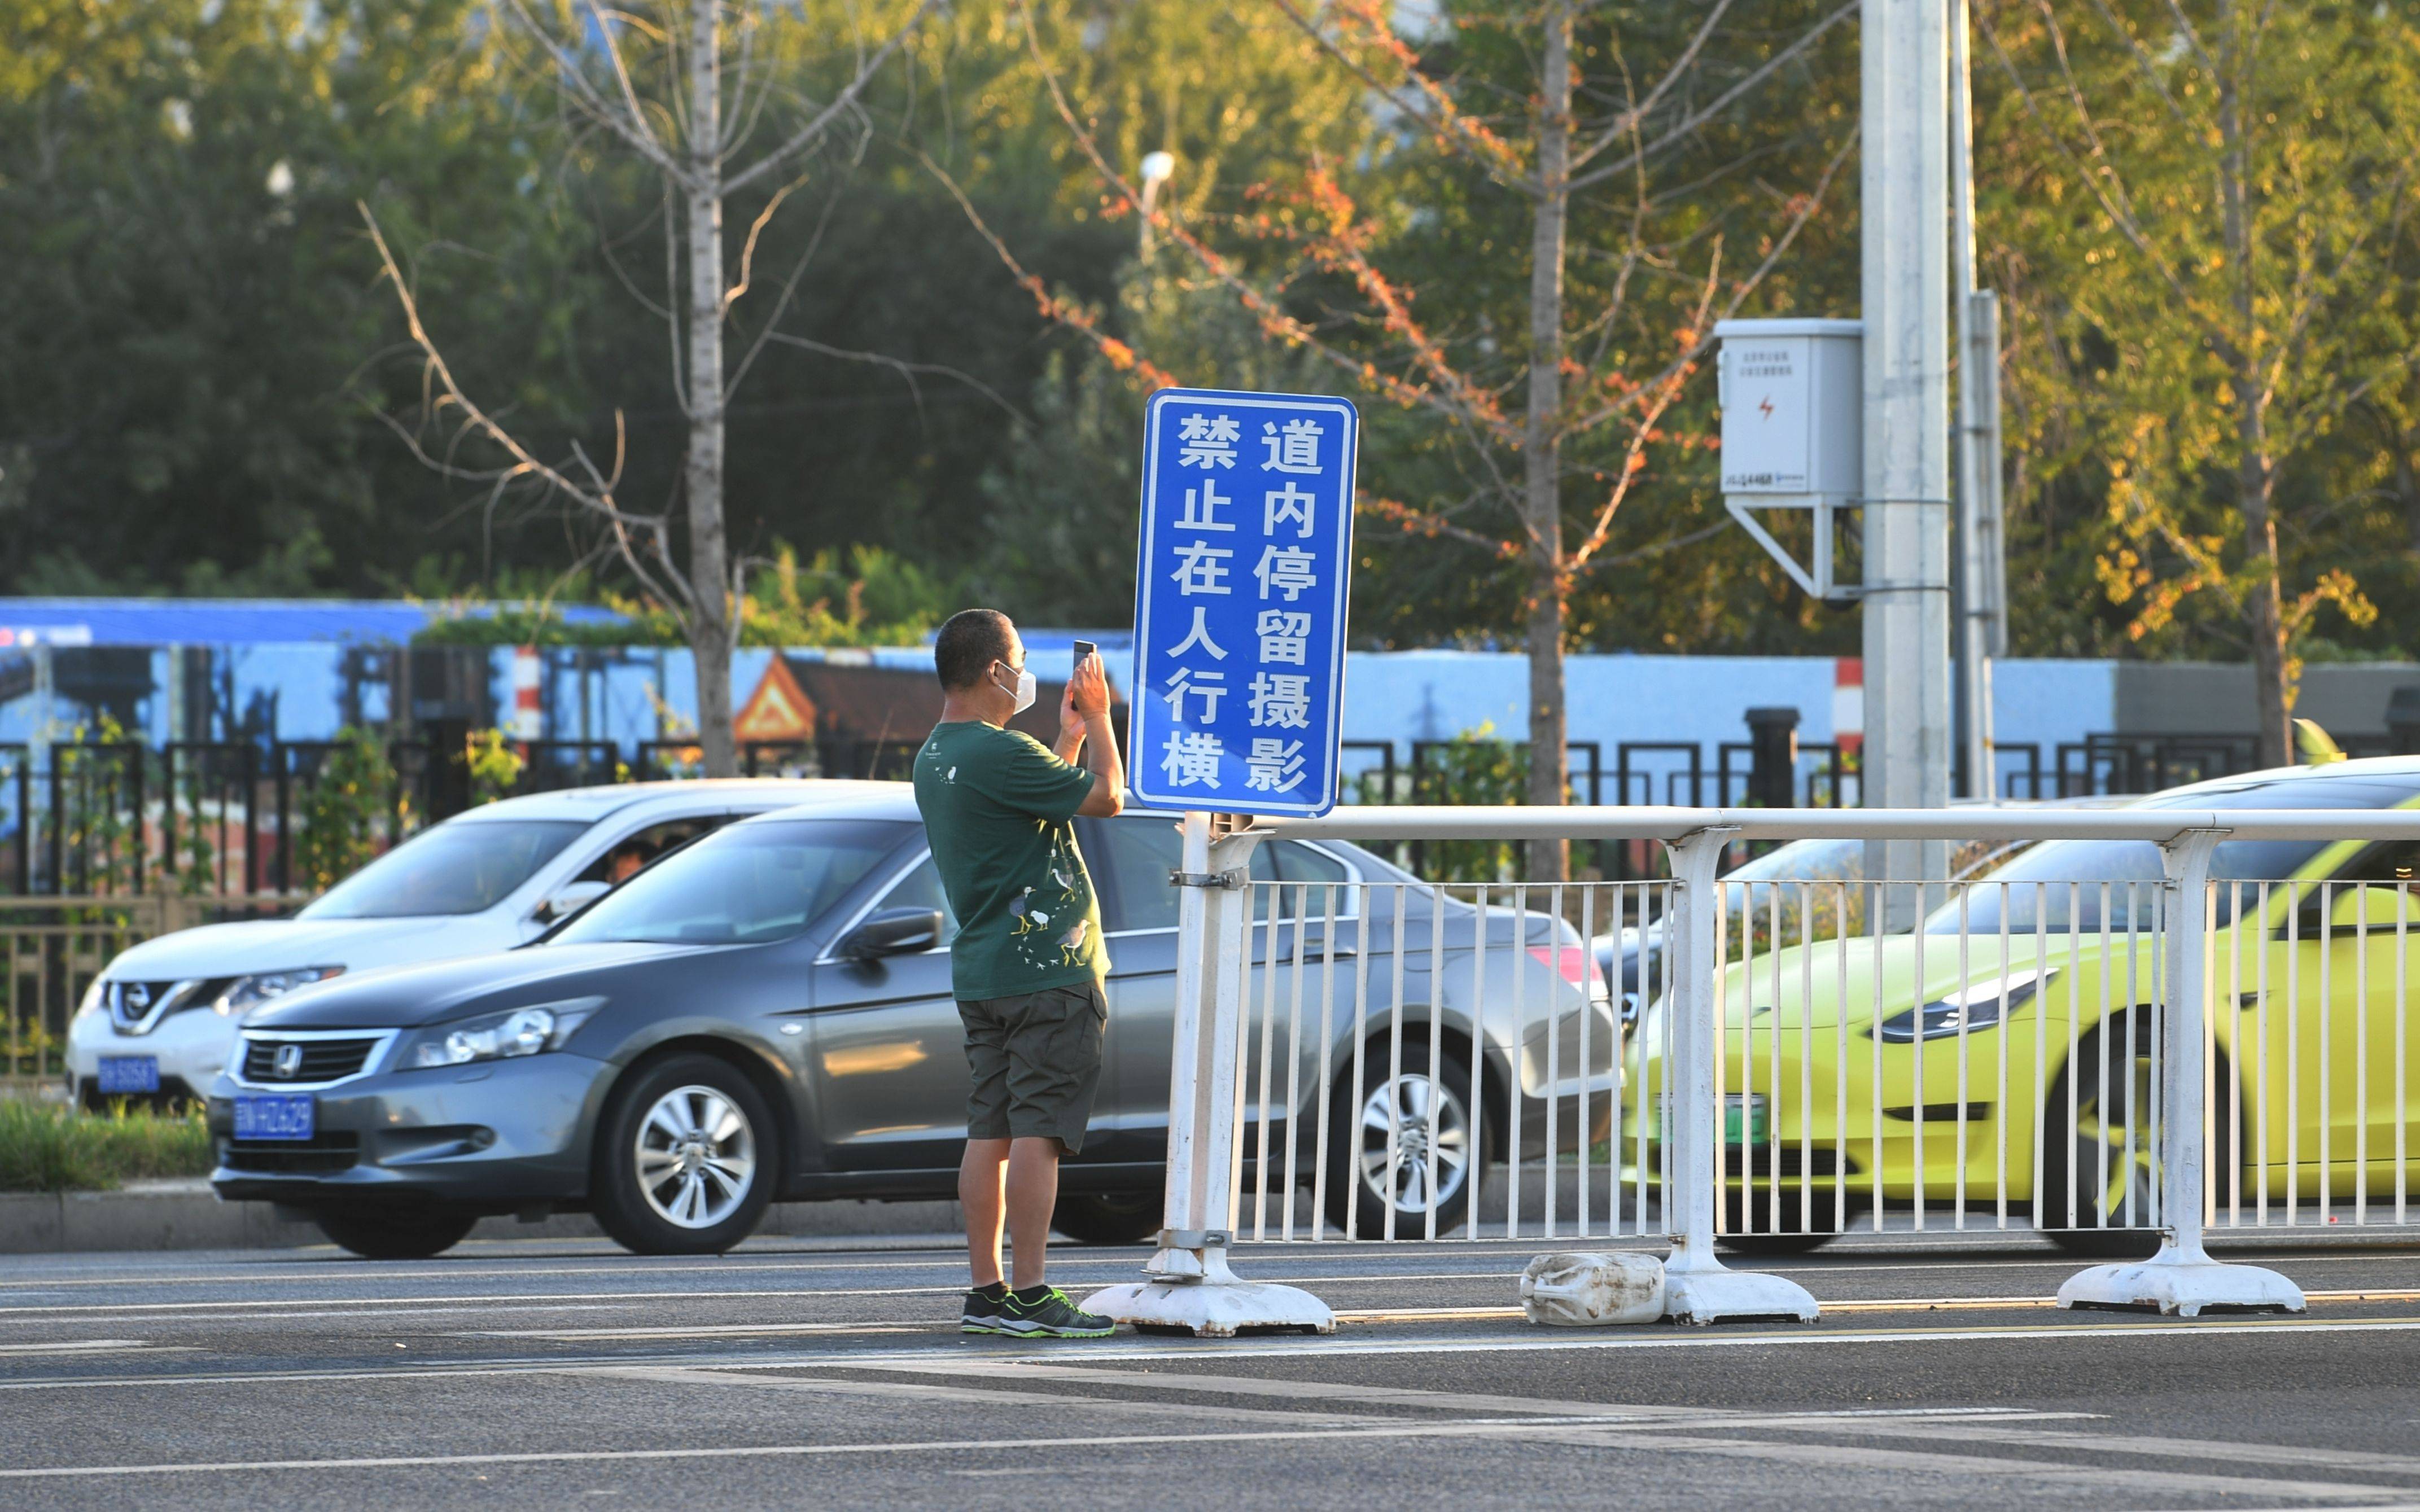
x: 284, y: 665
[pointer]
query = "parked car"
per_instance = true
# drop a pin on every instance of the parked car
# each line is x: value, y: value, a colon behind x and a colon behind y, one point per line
x: 1633, y: 956
x: 160, y: 1021
x: 767, y: 1015
x: 2309, y: 1042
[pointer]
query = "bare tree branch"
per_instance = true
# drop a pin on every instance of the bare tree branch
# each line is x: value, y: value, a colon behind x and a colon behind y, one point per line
x: 1627, y: 123
x: 904, y: 369
x: 1720, y: 103
x: 577, y: 90
x: 595, y: 497
x: 1444, y: 119
x: 806, y: 135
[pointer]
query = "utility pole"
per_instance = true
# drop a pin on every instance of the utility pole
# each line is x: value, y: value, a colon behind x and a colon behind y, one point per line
x: 1982, y: 592
x: 1905, y: 196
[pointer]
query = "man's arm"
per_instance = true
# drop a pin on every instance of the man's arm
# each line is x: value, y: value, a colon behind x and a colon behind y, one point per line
x: 1084, y: 727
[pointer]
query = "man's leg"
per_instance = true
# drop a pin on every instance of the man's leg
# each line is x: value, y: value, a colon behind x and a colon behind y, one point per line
x: 1032, y: 1193
x: 979, y: 1176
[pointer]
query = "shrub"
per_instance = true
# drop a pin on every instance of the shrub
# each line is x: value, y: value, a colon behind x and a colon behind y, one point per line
x: 49, y: 1149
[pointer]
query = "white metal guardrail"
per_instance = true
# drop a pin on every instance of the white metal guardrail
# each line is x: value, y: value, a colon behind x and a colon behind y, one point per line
x: 2218, y: 1040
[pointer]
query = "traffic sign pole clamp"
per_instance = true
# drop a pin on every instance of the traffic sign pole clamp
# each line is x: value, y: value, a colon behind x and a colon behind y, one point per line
x: 1233, y: 881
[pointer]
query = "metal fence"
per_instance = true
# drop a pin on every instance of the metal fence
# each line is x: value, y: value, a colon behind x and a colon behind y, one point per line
x: 2193, y: 1020
x: 56, y: 947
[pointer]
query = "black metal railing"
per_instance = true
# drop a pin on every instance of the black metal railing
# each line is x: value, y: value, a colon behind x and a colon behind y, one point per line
x: 234, y: 817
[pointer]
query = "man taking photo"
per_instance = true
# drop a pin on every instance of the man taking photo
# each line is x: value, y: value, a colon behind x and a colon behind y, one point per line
x: 1027, y: 965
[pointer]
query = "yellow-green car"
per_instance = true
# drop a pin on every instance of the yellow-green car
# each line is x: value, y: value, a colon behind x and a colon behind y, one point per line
x: 2024, y: 1085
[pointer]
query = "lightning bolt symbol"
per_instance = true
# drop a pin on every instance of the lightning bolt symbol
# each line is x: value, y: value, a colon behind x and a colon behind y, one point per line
x: 1766, y: 406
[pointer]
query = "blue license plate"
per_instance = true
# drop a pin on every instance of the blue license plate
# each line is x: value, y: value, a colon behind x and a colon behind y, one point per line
x: 130, y: 1074
x: 274, y: 1115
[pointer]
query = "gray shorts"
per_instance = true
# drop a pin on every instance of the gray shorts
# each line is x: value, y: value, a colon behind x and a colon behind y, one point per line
x: 1036, y: 1060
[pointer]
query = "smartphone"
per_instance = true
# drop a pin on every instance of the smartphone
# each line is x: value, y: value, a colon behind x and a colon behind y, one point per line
x: 1083, y: 649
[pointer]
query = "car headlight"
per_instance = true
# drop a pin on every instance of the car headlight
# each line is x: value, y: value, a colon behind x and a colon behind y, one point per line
x: 249, y: 991
x: 1984, y: 1005
x: 91, y: 1003
x: 519, y: 1031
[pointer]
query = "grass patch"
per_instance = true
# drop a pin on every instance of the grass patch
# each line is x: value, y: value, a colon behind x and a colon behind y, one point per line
x: 45, y: 1147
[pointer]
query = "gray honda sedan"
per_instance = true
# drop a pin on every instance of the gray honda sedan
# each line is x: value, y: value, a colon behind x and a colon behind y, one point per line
x: 765, y: 1016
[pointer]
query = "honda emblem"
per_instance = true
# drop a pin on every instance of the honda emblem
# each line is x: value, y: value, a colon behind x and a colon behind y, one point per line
x: 287, y: 1062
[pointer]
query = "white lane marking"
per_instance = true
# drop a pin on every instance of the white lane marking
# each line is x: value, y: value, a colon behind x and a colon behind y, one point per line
x: 1004, y: 1395
x: 1990, y: 1424
x: 1963, y: 1468
x: 700, y: 1331
x: 1428, y: 1397
x: 1405, y: 1430
x: 2159, y: 1447
x: 82, y: 1346
x: 1650, y: 1338
x: 956, y: 1264
x: 1122, y: 1350
x: 324, y: 1269
x: 1549, y: 1430
x: 321, y: 1310
x: 1008, y: 1391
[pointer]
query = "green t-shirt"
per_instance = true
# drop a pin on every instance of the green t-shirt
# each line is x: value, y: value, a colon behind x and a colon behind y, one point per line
x: 1000, y: 811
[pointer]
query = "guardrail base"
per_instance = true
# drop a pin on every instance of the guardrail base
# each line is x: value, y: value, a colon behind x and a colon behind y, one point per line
x: 1715, y: 1295
x: 2182, y: 1284
x: 1213, y: 1309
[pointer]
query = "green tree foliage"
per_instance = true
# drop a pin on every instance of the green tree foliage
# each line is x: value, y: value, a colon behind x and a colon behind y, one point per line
x: 874, y: 598
x: 347, y: 815
x: 192, y: 353
x: 1067, y: 496
x: 2203, y: 212
x: 184, y: 299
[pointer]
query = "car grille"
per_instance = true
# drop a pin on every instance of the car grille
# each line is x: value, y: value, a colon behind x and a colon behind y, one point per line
x: 316, y: 1156
x: 323, y: 1060
x: 131, y: 1003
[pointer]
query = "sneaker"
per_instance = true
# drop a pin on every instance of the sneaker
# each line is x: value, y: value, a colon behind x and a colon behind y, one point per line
x: 1046, y: 1313
x: 981, y: 1313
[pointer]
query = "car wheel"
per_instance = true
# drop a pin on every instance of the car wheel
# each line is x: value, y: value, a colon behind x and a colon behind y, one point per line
x: 409, y: 1234
x: 1432, y: 1113
x: 1103, y: 1218
x: 2110, y: 1147
x: 687, y: 1160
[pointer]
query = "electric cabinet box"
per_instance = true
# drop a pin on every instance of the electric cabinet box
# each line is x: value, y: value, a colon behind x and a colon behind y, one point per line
x: 1792, y: 399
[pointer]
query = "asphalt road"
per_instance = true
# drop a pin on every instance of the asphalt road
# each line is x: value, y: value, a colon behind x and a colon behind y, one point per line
x: 831, y: 1373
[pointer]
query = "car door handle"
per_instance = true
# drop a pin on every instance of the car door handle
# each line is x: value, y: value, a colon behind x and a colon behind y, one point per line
x: 1315, y: 947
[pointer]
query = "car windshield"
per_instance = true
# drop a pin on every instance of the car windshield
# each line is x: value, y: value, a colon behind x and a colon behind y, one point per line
x: 1805, y: 860
x: 2133, y: 866
x: 749, y: 884
x: 460, y: 867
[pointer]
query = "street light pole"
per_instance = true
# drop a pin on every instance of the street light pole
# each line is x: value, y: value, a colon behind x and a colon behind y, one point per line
x: 1905, y: 192
x: 1156, y: 169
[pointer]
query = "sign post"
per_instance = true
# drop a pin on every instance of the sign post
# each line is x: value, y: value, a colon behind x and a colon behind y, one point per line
x: 1242, y: 581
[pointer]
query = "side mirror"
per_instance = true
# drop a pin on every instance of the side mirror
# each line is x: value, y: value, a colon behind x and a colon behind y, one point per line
x: 574, y: 897
x: 893, y: 932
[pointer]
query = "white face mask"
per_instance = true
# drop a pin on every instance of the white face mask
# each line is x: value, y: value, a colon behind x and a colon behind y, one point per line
x: 1024, y: 693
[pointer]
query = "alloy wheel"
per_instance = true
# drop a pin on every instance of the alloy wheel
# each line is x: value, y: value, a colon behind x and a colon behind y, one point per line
x: 1427, y: 1116
x: 2127, y: 1136
x: 695, y: 1157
